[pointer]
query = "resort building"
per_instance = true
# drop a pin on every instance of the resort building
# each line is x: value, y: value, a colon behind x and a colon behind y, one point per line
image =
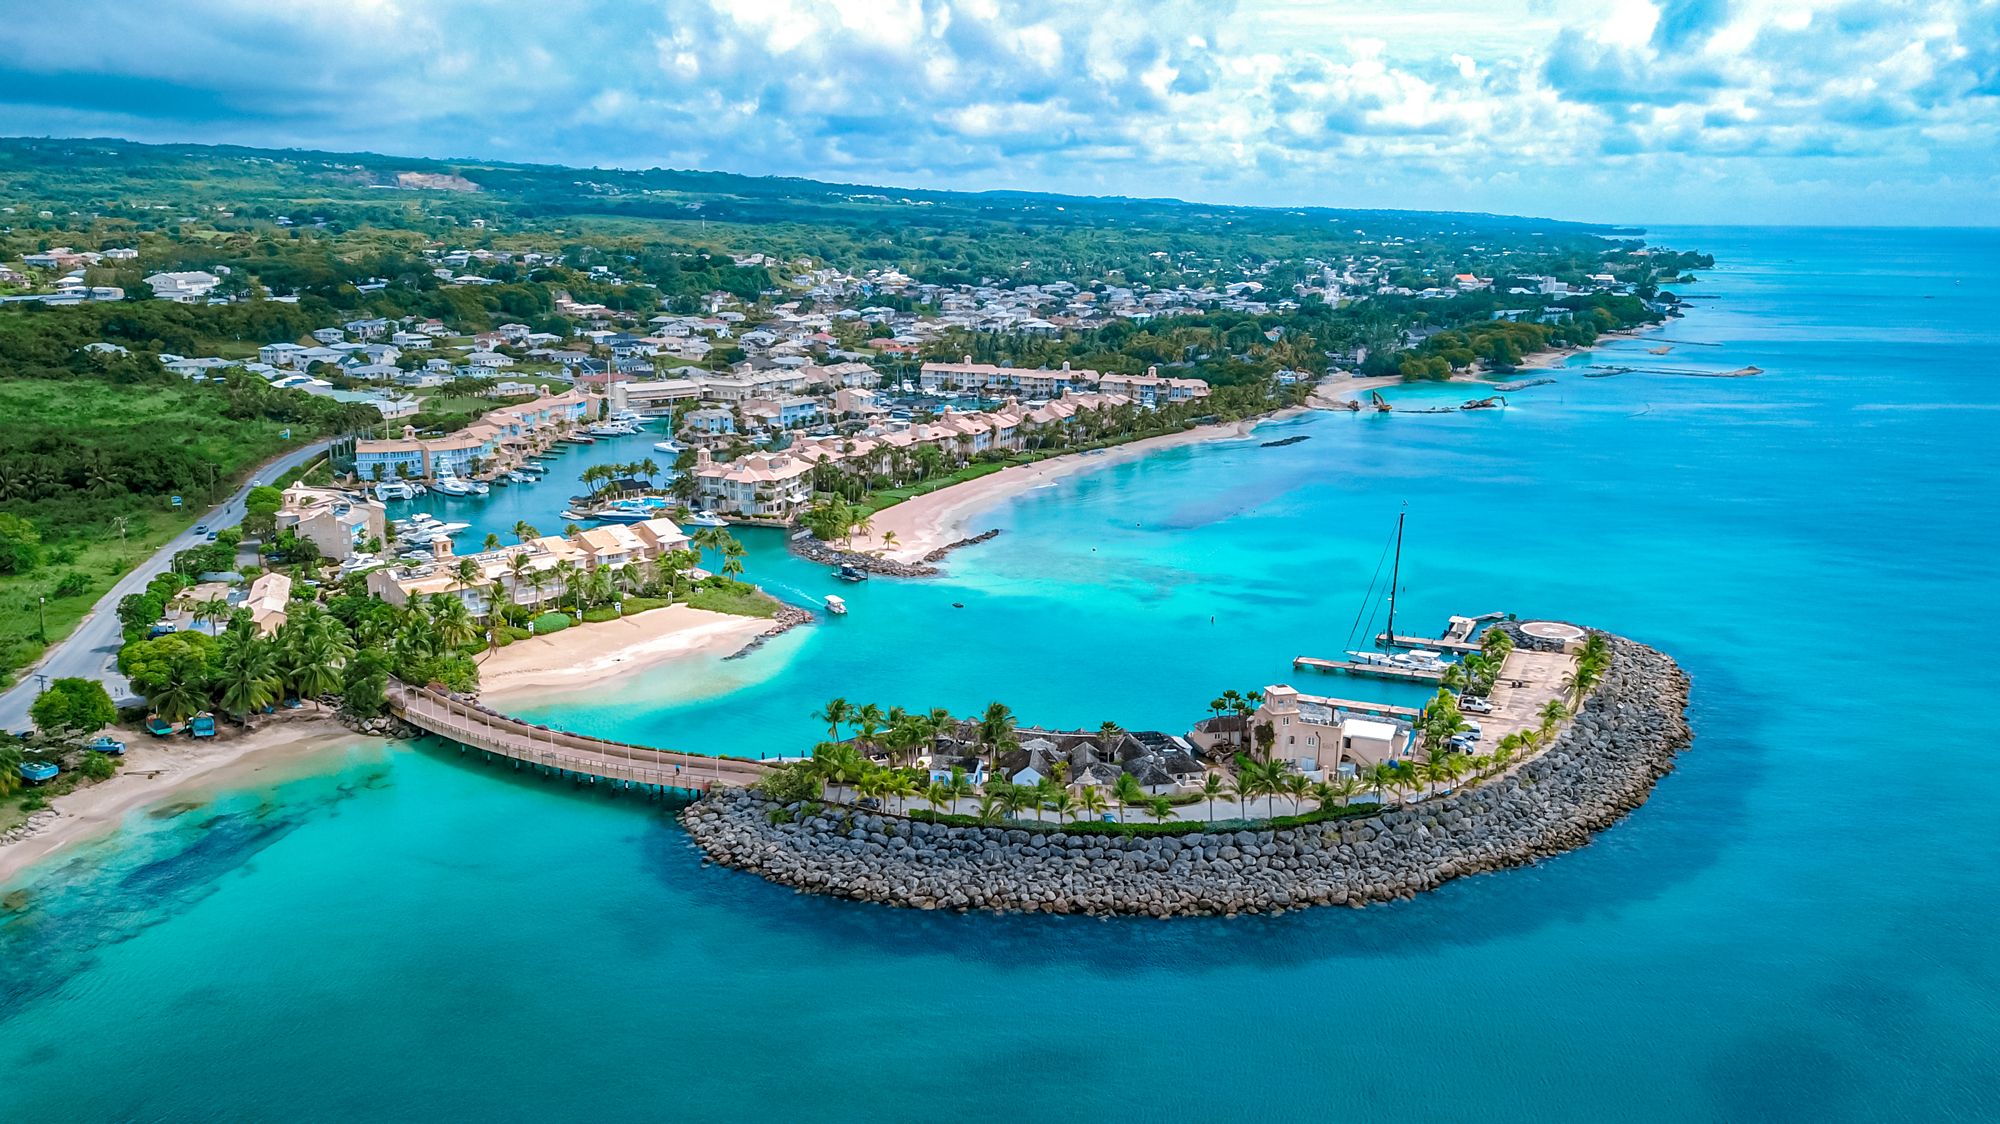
x: 759, y: 486
x: 337, y: 524
x: 1149, y: 389
x: 530, y: 574
x: 269, y: 598
x: 1312, y: 734
x: 499, y: 438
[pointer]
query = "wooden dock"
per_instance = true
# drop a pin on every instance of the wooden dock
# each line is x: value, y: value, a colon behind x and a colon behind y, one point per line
x: 1378, y: 671
x: 563, y: 753
x: 1356, y: 706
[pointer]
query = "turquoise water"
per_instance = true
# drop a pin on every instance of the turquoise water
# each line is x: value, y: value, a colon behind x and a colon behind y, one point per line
x: 1798, y: 926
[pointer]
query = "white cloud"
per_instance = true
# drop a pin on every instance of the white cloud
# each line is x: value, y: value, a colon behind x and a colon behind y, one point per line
x: 1726, y: 109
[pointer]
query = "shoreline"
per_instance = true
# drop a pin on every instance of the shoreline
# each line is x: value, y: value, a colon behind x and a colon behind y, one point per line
x: 596, y: 654
x: 925, y: 523
x: 155, y: 769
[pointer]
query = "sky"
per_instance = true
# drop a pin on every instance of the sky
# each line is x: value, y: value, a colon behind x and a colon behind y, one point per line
x: 1635, y: 111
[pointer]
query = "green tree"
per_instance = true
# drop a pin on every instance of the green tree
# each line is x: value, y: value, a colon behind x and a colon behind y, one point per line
x: 78, y: 705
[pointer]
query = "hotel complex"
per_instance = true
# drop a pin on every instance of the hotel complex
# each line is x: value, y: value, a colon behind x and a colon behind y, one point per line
x: 501, y: 437
x: 532, y: 573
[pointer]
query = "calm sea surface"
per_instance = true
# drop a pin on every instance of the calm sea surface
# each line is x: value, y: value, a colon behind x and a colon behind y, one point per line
x: 1799, y: 926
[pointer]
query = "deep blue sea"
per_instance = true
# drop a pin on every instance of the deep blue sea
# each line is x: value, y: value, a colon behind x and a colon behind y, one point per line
x: 1799, y: 926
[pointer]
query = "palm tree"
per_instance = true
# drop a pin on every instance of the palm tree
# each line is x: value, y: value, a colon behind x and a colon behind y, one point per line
x: 566, y: 572
x: 492, y: 541
x: 1058, y: 800
x: 524, y: 530
x: 184, y: 693
x: 889, y: 540
x: 732, y: 559
x: 1296, y: 786
x: 1091, y: 802
x: 1553, y: 712
x: 996, y: 728
x: 936, y: 796
x: 956, y: 786
x: 1128, y: 792
x: 836, y: 714
x: 453, y: 622
x: 990, y: 810
x: 1344, y: 790
x: 249, y: 677
x: 1161, y: 809
x: 1248, y: 786
x: 899, y: 786
x: 1212, y: 787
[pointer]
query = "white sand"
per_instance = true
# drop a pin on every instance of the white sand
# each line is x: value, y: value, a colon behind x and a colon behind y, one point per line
x: 156, y: 768
x: 939, y: 518
x: 588, y: 654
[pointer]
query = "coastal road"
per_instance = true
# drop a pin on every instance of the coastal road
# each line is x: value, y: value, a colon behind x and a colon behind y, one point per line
x: 91, y: 650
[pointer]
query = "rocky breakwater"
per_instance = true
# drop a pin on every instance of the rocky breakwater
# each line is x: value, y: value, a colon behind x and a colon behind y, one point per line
x: 1603, y: 765
x: 814, y: 550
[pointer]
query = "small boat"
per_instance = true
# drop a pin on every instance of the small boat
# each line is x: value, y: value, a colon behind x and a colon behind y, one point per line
x: 453, y: 486
x: 35, y: 772
x: 519, y: 477
x: 110, y: 745
x: 479, y: 487
x: 573, y: 515
x: 389, y: 490
x: 836, y: 605
x: 705, y: 519
x: 158, y: 726
x: 202, y: 725
x: 666, y: 447
x: 849, y: 574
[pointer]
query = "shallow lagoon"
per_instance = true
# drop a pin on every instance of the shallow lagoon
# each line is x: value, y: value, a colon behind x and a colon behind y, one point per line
x: 1773, y: 936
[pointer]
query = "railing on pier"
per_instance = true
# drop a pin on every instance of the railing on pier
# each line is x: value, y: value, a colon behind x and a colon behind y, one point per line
x: 564, y: 751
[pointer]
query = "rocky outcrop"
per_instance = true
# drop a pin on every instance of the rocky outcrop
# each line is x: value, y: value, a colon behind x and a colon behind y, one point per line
x: 788, y: 617
x: 938, y: 554
x: 814, y: 550
x: 380, y: 726
x: 1600, y: 767
x: 34, y: 825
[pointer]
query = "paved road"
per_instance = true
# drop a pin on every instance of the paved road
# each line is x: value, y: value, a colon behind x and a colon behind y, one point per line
x: 90, y: 651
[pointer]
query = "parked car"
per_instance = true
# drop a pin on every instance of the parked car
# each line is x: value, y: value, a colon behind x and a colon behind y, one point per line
x: 1473, y: 704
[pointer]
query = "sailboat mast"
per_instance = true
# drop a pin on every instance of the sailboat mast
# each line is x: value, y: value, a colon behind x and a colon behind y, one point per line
x: 1395, y: 579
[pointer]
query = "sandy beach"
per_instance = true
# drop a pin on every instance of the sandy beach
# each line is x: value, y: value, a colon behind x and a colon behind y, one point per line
x: 591, y: 653
x: 156, y: 768
x: 940, y: 518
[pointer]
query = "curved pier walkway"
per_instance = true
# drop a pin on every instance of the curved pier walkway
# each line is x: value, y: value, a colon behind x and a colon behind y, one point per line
x: 566, y: 753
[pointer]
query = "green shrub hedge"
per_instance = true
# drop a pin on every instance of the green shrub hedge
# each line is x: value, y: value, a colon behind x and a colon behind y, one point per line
x: 552, y: 622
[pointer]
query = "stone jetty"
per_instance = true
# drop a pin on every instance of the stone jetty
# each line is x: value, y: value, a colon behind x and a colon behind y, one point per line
x: 1602, y: 765
x: 814, y: 550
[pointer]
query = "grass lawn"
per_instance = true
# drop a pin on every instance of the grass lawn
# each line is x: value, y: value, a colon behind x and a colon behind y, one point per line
x: 740, y: 598
x: 890, y: 497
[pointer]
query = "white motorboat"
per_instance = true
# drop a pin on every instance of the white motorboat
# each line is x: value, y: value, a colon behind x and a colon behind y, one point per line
x: 390, y: 490
x: 666, y: 447
x: 705, y: 519
x: 836, y: 605
x: 453, y: 486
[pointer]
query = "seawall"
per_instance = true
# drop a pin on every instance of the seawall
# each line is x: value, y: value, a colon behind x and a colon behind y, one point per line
x: 1602, y: 765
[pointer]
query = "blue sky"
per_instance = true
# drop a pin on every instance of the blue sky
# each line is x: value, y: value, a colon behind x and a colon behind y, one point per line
x: 1655, y: 111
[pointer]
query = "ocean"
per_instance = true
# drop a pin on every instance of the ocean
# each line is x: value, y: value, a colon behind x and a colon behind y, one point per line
x: 1796, y: 927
